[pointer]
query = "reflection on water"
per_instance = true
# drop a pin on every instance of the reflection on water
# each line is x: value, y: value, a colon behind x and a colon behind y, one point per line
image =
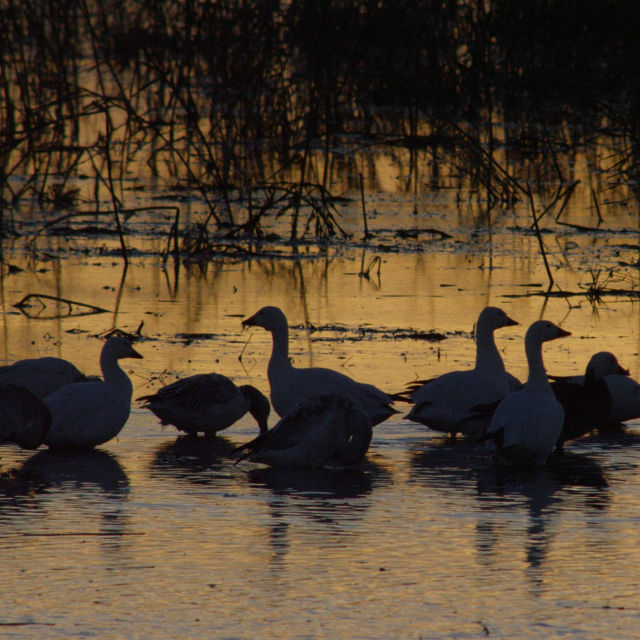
x: 333, y: 501
x: 330, y: 483
x: 529, y: 500
x: 93, y: 470
x: 156, y: 534
x: 196, y: 460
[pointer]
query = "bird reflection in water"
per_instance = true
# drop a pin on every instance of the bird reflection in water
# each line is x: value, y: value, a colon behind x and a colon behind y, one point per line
x: 196, y: 460
x: 332, y: 499
x: 56, y: 479
x: 570, y: 483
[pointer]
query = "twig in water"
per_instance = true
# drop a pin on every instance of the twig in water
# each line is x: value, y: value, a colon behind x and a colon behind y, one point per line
x: 364, y: 210
x: 595, y: 201
x: 366, y: 273
x: 85, y: 309
x: 245, y: 346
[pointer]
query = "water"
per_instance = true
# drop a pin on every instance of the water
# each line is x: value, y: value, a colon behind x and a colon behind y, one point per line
x: 155, y: 536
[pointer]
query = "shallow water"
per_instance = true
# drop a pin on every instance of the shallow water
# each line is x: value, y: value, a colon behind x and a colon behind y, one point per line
x: 155, y: 536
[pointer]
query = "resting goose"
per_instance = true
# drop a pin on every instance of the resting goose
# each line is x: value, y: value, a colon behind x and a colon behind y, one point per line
x: 624, y: 391
x: 86, y: 414
x: 587, y: 402
x: 24, y: 418
x: 327, y: 429
x: 41, y: 376
x: 462, y: 401
x: 527, y: 423
x: 289, y: 385
x: 625, y: 399
x: 207, y: 403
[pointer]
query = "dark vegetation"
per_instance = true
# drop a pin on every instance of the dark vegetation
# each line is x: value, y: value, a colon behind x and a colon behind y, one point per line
x: 253, y: 108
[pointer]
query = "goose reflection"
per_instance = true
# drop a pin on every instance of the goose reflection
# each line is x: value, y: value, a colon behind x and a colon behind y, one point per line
x: 350, y: 482
x: 331, y: 500
x: 93, y: 469
x: 59, y: 483
x: 196, y: 460
x: 443, y: 463
x: 614, y: 437
x: 540, y: 494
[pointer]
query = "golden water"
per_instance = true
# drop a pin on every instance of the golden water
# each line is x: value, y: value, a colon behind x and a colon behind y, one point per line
x: 153, y: 536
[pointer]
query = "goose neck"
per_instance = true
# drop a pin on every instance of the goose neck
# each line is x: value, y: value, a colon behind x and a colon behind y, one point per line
x: 537, y: 379
x: 111, y: 371
x: 487, y: 355
x: 280, y: 347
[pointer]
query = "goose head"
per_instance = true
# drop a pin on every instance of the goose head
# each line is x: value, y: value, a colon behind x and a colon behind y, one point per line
x: 269, y: 318
x: 604, y: 364
x: 118, y: 347
x: 492, y: 318
x: 259, y: 406
x: 543, y: 331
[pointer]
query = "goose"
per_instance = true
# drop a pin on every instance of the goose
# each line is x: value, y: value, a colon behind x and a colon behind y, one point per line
x: 207, y: 403
x: 327, y: 429
x: 587, y: 401
x: 625, y: 399
x: 624, y: 392
x: 462, y: 401
x: 86, y: 414
x: 41, y: 376
x: 527, y: 423
x: 289, y: 385
x: 24, y: 418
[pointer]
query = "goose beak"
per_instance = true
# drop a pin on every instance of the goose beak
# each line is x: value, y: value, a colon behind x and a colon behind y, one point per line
x: 622, y: 371
x: 135, y: 354
x: 562, y: 333
x: 510, y: 322
x: 249, y: 322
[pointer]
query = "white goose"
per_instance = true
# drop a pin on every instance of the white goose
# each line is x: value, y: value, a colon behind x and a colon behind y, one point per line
x: 462, y: 401
x: 86, y: 414
x: 41, y: 376
x: 289, y: 385
x: 328, y: 429
x: 587, y: 400
x: 527, y: 423
x: 24, y: 418
x: 207, y: 403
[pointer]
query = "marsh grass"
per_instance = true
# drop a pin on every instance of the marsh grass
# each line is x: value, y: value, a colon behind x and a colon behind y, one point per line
x: 254, y: 109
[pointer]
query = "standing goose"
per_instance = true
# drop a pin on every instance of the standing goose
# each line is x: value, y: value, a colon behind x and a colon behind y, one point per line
x: 328, y: 429
x: 527, y: 423
x: 289, y: 385
x: 86, y: 414
x: 24, y: 418
x: 41, y: 376
x: 207, y: 403
x: 462, y: 401
x: 587, y: 400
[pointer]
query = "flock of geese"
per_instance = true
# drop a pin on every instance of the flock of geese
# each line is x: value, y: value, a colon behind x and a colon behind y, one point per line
x: 326, y: 417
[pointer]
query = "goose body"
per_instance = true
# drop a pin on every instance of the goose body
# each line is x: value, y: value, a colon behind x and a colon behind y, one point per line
x: 527, y: 423
x: 41, y: 376
x: 587, y: 402
x: 625, y: 398
x: 86, y: 414
x: 24, y: 418
x: 462, y: 401
x: 328, y: 429
x: 206, y: 403
x: 289, y: 385
x: 624, y: 392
